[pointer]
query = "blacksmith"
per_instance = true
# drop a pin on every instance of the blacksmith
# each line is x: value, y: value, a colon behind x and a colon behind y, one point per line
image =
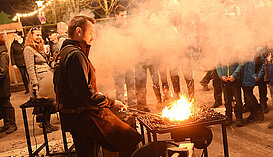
x: 86, y: 112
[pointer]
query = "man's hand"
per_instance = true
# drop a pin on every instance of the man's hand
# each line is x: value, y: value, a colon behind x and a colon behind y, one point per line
x: 231, y: 78
x: 224, y: 78
x: 14, y: 66
x: 256, y: 79
x: 119, y: 105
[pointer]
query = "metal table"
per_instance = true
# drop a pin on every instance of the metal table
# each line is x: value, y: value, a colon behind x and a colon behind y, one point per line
x: 154, y: 132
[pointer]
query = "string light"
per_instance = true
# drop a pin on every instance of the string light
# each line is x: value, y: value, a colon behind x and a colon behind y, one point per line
x: 18, y: 15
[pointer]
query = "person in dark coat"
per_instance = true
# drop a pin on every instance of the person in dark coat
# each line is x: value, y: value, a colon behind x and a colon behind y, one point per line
x: 17, y: 57
x: 230, y: 75
x: 269, y: 72
x: 84, y: 106
x: 55, y: 46
x: 253, y: 72
x: 216, y: 82
x: 5, y: 106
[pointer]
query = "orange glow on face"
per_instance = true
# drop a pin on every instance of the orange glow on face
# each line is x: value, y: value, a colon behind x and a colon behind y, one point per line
x: 179, y: 110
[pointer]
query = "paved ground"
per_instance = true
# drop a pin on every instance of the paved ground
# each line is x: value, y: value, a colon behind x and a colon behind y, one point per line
x: 252, y: 140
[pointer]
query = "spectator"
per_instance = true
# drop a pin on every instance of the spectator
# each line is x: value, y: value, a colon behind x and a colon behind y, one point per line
x: 231, y: 85
x: 40, y: 74
x: 17, y: 57
x: 5, y: 106
x: 253, y: 72
x: 62, y: 31
x: 269, y: 72
x: 123, y: 75
x: 151, y: 63
x: 216, y: 82
x: 54, y: 45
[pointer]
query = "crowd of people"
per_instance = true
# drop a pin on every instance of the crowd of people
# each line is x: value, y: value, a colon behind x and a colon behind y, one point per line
x: 58, y: 67
x: 231, y: 79
x: 35, y: 61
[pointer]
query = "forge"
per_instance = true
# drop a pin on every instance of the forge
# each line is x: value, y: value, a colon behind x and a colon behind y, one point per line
x: 184, y: 120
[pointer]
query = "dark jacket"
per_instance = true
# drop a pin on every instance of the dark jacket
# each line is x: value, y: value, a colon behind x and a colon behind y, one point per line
x: 77, y: 87
x: 16, y: 53
x: 4, y: 72
x: 253, y: 69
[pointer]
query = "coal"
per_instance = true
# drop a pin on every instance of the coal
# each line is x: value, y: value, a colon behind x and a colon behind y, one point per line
x: 200, y: 114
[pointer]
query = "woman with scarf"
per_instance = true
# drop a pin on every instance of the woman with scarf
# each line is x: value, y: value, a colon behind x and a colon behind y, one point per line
x: 40, y: 74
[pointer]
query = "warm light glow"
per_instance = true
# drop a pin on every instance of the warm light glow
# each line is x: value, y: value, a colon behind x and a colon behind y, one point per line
x: 39, y: 3
x: 180, y: 110
x: 42, y: 7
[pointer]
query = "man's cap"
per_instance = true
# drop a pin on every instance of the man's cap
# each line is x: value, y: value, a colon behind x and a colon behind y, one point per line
x: 51, y: 31
x: 20, y: 33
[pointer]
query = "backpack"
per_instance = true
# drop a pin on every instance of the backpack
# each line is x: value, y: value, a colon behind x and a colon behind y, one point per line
x: 59, y: 78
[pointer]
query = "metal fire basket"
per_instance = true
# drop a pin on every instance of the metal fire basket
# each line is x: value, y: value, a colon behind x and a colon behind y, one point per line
x: 152, y: 132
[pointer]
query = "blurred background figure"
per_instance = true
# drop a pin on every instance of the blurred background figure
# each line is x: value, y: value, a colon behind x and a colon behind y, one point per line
x: 17, y: 57
x: 123, y: 75
x: 62, y: 31
x: 217, y: 88
x: 54, y: 45
x: 5, y: 106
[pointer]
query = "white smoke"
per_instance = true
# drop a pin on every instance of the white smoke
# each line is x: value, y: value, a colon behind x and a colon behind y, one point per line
x: 224, y: 31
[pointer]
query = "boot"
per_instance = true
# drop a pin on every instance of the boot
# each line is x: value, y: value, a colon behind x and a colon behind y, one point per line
x: 251, y: 117
x: 245, y: 108
x: 50, y: 127
x: 11, y: 117
x: 239, y: 119
x: 265, y: 107
x: 259, y: 116
x: 270, y: 126
x: 6, y: 124
x: 229, y: 122
x: 205, y: 87
x: 239, y: 123
x: 216, y: 104
x: 27, y: 91
x: 229, y: 115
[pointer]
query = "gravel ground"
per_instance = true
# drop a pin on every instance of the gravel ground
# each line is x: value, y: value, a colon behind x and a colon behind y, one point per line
x: 252, y: 140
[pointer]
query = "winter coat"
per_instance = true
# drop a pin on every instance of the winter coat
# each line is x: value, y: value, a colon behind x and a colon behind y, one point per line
x: 253, y: 69
x: 4, y: 72
x: 39, y: 72
x: 78, y: 83
x: 75, y: 85
x: 233, y: 69
x: 16, y: 53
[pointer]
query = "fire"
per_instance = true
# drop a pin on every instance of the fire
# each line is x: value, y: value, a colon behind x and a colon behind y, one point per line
x: 180, y: 110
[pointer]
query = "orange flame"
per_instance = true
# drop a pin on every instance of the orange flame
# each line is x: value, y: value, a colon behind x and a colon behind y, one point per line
x: 180, y: 110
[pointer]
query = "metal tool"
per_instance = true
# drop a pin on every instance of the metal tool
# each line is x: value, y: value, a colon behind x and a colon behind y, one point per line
x: 143, y: 112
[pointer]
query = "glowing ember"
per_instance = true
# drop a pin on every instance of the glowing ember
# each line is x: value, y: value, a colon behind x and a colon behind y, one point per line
x: 179, y: 111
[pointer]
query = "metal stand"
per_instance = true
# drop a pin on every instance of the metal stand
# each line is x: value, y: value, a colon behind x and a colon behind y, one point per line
x: 154, y: 132
x: 45, y: 144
